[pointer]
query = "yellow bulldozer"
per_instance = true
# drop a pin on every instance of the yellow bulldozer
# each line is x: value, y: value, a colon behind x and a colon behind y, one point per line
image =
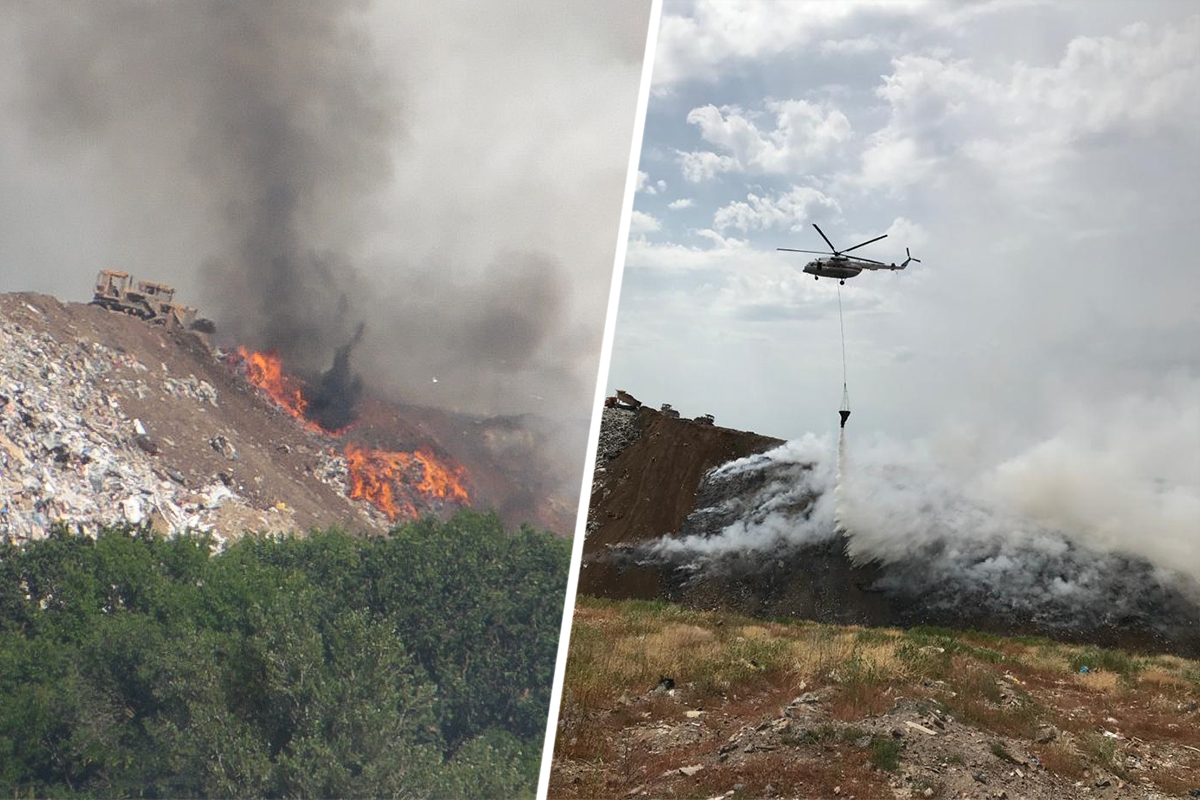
x: 153, y: 302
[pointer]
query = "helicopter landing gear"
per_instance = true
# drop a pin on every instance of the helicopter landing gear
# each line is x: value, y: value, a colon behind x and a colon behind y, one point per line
x: 816, y: 277
x: 842, y: 282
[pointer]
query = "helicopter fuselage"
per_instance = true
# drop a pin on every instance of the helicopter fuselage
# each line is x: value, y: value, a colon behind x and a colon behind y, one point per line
x: 838, y: 268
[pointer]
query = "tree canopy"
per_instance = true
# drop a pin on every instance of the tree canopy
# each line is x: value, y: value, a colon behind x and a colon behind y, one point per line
x: 416, y: 664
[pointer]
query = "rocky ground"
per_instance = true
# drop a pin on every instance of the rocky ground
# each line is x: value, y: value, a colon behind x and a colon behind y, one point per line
x: 105, y: 419
x: 660, y: 701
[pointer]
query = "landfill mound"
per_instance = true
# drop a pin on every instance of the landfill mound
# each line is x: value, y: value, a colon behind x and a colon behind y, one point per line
x: 658, y: 504
x: 105, y: 419
x: 647, y: 487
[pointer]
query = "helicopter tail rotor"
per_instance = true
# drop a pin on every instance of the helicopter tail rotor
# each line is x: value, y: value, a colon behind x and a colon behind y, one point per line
x: 910, y: 258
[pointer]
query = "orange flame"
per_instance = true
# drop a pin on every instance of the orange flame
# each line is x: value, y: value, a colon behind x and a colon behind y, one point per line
x: 265, y: 370
x: 393, y: 481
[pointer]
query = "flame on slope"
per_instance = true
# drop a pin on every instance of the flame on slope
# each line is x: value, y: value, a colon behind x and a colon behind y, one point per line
x: 265, y: 370
x: 393, y: 481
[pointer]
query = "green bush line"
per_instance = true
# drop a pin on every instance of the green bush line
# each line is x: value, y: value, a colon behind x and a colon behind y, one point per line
x: 414, y: 664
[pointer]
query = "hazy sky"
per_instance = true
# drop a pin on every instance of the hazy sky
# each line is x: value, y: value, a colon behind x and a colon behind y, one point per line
x: 449, y: 173
x: 1041, y: 158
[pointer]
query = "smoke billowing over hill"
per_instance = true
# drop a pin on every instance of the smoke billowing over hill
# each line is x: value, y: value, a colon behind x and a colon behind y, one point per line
x: 300, y: 169
x: 1073, y: 535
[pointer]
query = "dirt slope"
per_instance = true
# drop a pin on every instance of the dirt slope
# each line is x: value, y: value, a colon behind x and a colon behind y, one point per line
x: 648, y: 488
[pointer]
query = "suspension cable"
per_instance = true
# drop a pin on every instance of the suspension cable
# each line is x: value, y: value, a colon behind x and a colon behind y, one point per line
x: 845, y: 385
x: 842, y: 327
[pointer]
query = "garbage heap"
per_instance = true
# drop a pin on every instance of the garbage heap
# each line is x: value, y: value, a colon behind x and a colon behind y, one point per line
x: 70, y: 454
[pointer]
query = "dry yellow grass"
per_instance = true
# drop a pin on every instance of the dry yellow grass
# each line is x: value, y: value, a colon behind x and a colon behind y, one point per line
x: 1045, y: 659
x: 617, y: 648
x: 1161, y: 678
x: 1061, y: 760
x: 1103, y: 682
x: 820, y: 654
x: 718, y: 660
x: 758, y: 632
x: 614, y: 652
x: 1173, y: 664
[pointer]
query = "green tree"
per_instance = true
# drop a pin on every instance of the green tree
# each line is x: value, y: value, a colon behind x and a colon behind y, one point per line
x: 416, y: 664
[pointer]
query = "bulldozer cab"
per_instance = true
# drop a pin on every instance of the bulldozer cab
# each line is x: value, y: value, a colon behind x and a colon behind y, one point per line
x: 110, y: 283
x: 158, y: 291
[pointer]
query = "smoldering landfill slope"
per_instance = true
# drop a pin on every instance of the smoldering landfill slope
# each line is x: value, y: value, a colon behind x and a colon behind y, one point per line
x: 257, y: 142
x: 879, y: 534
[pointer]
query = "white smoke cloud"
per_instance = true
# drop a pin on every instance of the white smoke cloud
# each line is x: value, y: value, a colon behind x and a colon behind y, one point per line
x: 1119, y: 477
x: 1096, y: 523
x: 792, y: 504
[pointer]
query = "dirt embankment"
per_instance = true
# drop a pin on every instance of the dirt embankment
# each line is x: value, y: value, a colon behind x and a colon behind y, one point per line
x: 647, y: 489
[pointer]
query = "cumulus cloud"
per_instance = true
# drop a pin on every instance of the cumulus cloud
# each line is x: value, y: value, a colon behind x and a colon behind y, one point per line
x: 640, y: 223
x: 683, y: 202
x: 802, y: 133
x: 789, y: 210
x: 858, y: 46
x: 907, y: 232
x: 703, y: 40
x: 701, y: 165
x: 677, y: 257
x: 1021, y: 125
x: 646, y: 186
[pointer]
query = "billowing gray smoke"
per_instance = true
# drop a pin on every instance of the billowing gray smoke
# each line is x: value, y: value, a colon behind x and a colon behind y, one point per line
x: 756, y: 505
x: 252, y: 153
x: 1033, y: 540
x: 271, y: 115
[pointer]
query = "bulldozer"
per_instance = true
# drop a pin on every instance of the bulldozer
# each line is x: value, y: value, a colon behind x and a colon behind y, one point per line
x: 153, y: 302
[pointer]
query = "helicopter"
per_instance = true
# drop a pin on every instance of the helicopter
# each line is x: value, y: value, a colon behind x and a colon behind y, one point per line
x: 841, y: 266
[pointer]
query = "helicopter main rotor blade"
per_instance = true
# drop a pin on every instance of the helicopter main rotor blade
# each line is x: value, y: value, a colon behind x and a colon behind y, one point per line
x: 826, y: 238
x: 868, y: 260
x: 794, y: 250
x: 867, y: 242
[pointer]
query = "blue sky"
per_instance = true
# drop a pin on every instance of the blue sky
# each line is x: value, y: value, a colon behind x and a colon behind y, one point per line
x: 1041, y: 158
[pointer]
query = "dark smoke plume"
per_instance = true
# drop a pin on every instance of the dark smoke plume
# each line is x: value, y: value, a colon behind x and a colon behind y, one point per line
x: 270, y: 157
x: 272, y: 114
x: 332, y: 401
